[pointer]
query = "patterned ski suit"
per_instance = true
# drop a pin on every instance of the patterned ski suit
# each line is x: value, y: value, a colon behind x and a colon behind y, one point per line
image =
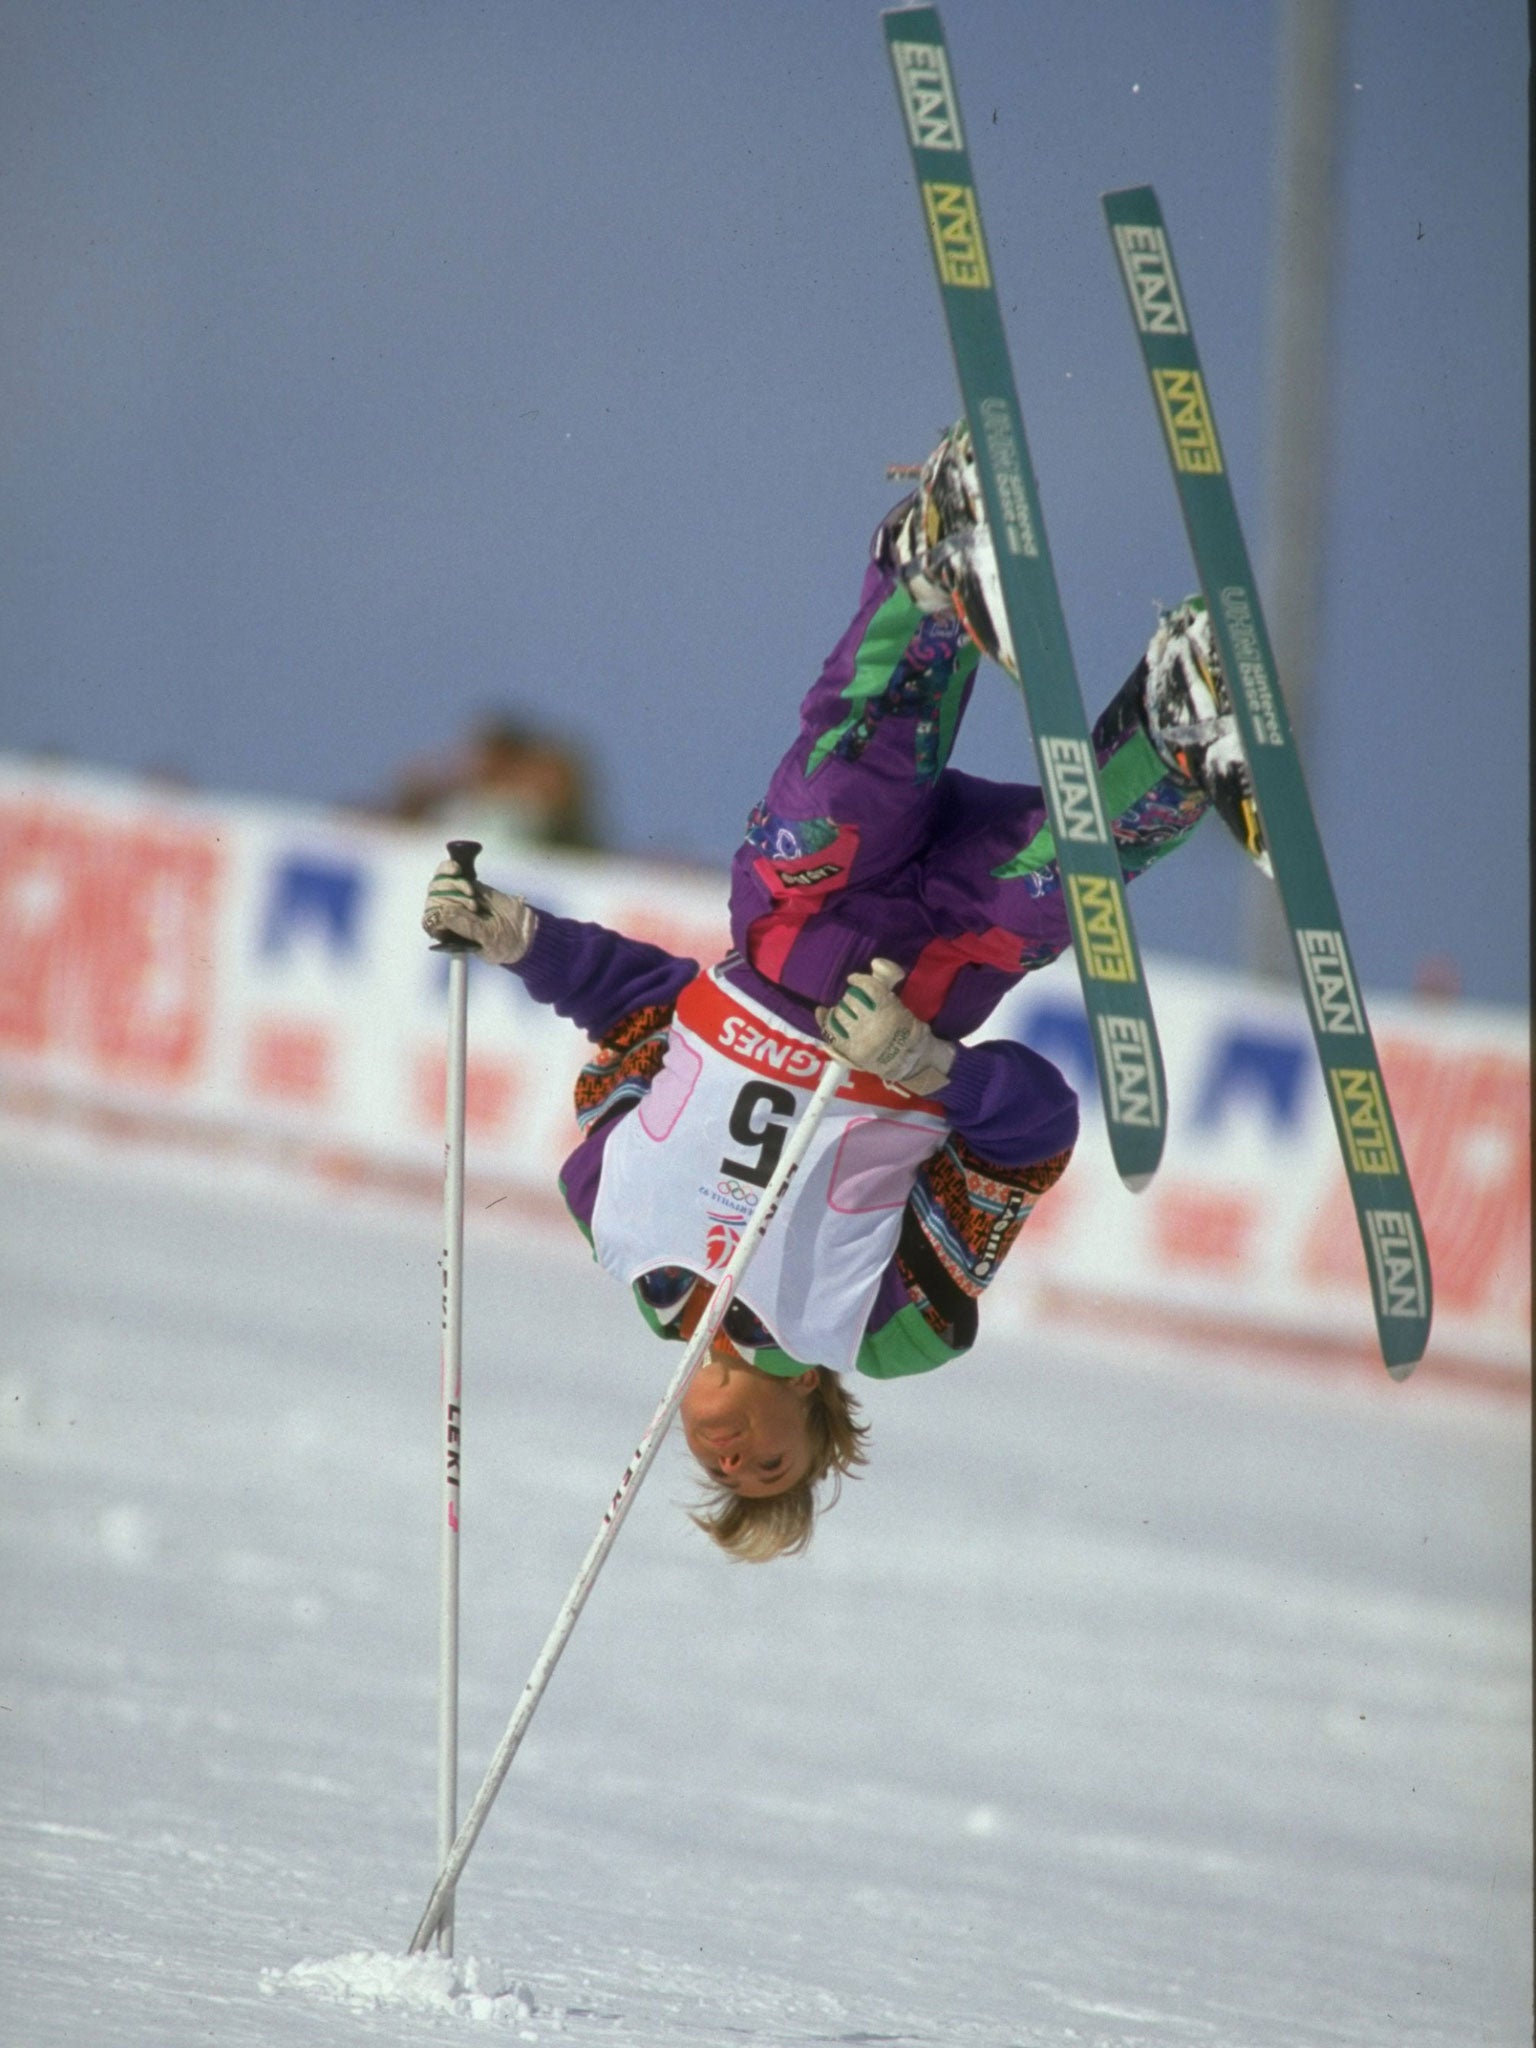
x: 867, y: 843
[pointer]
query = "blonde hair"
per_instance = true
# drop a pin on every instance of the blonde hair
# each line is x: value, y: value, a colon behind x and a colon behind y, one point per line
x: 781, y: 1524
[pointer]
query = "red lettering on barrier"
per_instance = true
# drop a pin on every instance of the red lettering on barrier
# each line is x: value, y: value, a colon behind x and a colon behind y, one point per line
x: 1209, y: 1228
x: 106, y: 939
x: 43, y: 871
x: 491, y: 1089
x: 290, y: 1062
x: 1051, y: 1212
x: 1464, y: 1121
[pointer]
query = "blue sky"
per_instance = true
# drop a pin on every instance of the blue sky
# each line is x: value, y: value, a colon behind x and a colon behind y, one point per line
x: 370, y: 365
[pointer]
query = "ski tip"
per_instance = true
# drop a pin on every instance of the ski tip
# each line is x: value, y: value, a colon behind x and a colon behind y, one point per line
x: 1136, y: 1182
x: 1402, y: 1371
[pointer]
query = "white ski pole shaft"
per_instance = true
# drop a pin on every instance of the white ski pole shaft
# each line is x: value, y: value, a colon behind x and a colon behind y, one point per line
x: 464, y: 851
x: 709, y: 1326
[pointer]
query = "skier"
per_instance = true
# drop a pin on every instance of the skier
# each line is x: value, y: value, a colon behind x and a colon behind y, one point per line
x: 881, y: 904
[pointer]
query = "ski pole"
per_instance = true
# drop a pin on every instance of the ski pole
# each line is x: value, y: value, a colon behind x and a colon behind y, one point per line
x: 464, y: 852
x: 440, y: 1903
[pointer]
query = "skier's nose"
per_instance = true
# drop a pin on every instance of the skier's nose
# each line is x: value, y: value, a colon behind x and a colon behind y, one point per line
x: 728, y: 1460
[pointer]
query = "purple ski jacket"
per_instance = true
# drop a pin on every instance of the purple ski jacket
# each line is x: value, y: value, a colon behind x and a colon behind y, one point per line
x: 1013, y: 1123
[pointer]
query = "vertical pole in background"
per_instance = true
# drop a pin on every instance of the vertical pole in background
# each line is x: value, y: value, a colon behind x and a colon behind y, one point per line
x: 1300, y: 464
x: 464, y: 852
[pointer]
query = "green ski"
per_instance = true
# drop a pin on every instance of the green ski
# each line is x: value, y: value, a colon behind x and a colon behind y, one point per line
x: 1109, y: 963
x: 1396, y: 1257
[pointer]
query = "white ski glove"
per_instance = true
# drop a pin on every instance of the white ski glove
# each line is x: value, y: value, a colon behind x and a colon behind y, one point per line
x: 499, y: 927
x: 872, y: 1029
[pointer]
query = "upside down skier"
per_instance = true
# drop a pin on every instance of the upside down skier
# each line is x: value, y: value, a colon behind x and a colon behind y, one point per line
x: 881, y: 905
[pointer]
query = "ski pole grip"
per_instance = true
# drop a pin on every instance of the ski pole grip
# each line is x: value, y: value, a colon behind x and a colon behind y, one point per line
x: 463, y: 853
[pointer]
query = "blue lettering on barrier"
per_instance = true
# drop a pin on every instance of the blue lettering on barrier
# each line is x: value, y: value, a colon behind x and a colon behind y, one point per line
x: 311, y: 896
x: 1060, y: 1033
x: 1251, y: 1068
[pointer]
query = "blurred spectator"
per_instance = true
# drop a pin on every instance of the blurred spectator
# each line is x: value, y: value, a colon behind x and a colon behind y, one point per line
x: 1437, y: 975
x: 508, y: 786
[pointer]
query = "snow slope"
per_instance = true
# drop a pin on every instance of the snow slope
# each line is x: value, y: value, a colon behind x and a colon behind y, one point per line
x: 1126, y: 1701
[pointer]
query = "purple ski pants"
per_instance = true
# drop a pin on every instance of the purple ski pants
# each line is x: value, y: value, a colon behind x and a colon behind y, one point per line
x: 867, y: 843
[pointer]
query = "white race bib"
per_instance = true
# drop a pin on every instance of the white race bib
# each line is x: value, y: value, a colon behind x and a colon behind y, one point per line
x: 684, y: 1170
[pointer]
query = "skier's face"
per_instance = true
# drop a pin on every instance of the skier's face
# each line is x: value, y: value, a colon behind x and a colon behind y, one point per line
x: 746, y: 1428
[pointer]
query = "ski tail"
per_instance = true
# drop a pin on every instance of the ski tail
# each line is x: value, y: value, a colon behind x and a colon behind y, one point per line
x: 1397, y: 1257
x: 1124, y: 1033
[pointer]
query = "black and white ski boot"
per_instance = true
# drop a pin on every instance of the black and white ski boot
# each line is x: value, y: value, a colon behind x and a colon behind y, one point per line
x: 1192, y: 726
x: 942, y: 547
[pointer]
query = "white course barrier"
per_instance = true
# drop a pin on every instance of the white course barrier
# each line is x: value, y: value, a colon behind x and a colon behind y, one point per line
x: 252, y: 974
x: 1247, y: 1234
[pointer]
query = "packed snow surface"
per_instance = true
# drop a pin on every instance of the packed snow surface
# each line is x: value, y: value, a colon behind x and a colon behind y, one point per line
x: 1127, y: 1702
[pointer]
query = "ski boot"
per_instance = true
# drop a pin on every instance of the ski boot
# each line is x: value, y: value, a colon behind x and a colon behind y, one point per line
x: 941, y: 546
x: 1191, y: 722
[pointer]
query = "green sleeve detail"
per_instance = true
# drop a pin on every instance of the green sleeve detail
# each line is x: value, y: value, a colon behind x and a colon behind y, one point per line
x: 903, y: 1346
x: 1038, y: 854
x: 906, y: 1345
x: 886, y: 639
x: 584, y: 1228
x: 769, y: 1358
x: 953, y: 702
x: 656, y: 1325
x: 1125, y: 778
